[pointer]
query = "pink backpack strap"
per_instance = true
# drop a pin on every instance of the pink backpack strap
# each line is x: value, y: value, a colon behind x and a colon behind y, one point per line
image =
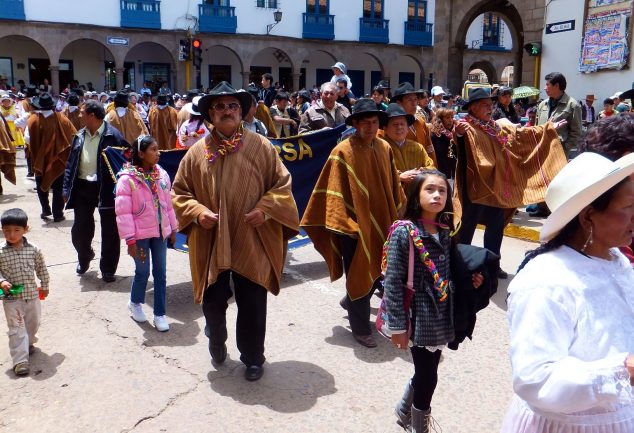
x: 410, y: 266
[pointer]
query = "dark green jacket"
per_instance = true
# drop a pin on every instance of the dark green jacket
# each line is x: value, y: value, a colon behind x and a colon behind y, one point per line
x: 567, y: 108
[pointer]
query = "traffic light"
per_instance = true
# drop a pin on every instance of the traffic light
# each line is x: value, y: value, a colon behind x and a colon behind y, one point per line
x: 184, y: 50
x: 533, y: 48
x: 197, y: 52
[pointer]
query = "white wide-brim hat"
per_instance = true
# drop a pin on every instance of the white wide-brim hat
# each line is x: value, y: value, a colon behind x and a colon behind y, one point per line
x: 578, y: 184
x: 192, y: 107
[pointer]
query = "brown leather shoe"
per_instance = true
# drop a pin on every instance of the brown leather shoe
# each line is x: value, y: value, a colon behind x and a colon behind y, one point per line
x: 365, y: 340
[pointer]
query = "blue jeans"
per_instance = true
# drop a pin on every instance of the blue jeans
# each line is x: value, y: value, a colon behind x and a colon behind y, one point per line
x: 157, y: 248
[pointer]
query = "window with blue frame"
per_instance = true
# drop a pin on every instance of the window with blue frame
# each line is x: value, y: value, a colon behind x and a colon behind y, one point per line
x: 417, y: 10
x: 218, y: 2
x: 373, y: 9
x: 270, y: 4
x: 491, y: 30
x: 320, y: 7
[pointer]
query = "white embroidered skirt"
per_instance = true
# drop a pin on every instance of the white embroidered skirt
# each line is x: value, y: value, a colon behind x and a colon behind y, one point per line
x: 520, y: 418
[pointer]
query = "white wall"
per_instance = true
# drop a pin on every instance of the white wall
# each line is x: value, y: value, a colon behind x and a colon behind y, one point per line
x: 95, y: 12
x: 88, y: 59
x: 21, y: 50
x: 602, y: 84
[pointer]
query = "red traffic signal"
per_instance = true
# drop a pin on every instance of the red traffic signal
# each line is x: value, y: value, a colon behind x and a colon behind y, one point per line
x: 197, y: 43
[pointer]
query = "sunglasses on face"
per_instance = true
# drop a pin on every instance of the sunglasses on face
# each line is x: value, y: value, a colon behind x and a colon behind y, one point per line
x: 232, y: 106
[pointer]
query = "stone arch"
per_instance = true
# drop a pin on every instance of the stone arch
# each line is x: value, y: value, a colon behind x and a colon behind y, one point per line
x: 486, y: 67
x: 316, y: 64
x: 505, y: 72
x: 420, y: 69
x: 364, y: 68
x: 91, y: 62
x: 277, y: 60
x: 222, y: 63
x: 150, y: 61
x: 513, y: 19
x: 26, y: 53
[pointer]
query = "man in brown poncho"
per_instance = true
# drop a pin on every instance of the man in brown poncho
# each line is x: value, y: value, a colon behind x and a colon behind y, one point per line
x: 72, y: 111
x: 500, y: 166
x: 163, y: 120
x: 356, y: 199
x: 127, y: 121
x: 7, y: 154
x: 50, y: 134
x: 232, y: 197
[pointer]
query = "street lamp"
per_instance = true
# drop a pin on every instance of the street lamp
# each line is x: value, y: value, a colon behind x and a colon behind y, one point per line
x: 277, y: 16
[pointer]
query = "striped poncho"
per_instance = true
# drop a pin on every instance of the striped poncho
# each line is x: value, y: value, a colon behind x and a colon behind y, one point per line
x: 358, y: 194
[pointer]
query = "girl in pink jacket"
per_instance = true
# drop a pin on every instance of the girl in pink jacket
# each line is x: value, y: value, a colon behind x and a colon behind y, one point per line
x: 145, y: 219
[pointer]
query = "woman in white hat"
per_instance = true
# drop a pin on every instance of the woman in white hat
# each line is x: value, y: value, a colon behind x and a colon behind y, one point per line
x: 571, y: 307
x: 194, y: 128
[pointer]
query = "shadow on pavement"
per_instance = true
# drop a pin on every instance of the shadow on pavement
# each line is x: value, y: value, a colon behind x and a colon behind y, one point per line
x: 9, y: 198
x: 181, y: 312
x: 384, y: 352
x: 286, y: 387
x: 499, y: 298
x: 91, y: 281
x: 43, y: 366
x: 300, y: 273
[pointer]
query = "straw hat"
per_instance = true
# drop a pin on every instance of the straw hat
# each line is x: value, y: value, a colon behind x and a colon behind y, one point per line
x: 580, y: 183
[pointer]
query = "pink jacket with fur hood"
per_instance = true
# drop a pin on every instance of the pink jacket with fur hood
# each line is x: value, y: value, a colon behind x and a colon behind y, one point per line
x: 137, y: 218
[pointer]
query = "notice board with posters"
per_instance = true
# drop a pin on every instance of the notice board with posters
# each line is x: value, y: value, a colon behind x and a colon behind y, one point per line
x: 606, y: 34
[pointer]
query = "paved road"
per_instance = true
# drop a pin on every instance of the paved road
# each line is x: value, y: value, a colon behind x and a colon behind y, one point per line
x: 96, y: 370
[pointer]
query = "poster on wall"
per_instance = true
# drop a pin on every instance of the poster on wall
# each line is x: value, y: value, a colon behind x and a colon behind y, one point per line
x: 606, y: 32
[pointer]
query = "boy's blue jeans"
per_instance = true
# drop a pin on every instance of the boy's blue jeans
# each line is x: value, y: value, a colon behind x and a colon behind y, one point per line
x: 157, y: 248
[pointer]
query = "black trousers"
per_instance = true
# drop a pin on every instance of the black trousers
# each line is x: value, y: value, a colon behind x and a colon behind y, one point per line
x: 86, y: 197
x: 425, y: 376
x: 251, y: 320
x: 493, y: 217
x: 358, y: 310
x: 58, y: 198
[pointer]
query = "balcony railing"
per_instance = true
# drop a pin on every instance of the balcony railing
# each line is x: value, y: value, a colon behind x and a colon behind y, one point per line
x: 217, y: 19
x: 418, y: 33
x: 145, y: 14
x: 480, y: 45
x: 12, y: 10
x: 319, y: 26
x: 374, y: 30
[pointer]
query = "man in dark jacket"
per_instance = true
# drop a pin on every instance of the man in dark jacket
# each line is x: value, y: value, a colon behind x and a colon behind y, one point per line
x: 89, y: 185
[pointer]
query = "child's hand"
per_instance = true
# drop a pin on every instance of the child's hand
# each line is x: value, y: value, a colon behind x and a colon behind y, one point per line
x: 477, y: 279
x: 6, y: 286
x: 44, y: 293
x: 132, y: 250
x: 173, y: 238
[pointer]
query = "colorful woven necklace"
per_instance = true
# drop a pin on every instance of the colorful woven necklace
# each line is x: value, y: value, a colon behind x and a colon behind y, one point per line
x: 490, y: 127
x: 225, y: 147
x: 151, y: 178
x: 441, y: 285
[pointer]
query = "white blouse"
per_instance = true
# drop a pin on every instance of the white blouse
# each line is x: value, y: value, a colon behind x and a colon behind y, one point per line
x: 571, y: 321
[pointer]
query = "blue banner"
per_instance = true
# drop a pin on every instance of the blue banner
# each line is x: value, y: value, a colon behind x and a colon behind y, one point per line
x: 303, y: 155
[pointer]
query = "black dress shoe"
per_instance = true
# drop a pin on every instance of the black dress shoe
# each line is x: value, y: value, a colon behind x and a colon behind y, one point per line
x: 502, y: 275
x: 218, y: 353
x: 108, y: 277
x: 45, y: 215
x: 253, y: 373
x: 59, y: 219
x: 83, y: 267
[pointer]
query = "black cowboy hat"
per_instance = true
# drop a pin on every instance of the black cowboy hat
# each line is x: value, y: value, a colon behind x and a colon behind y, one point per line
x: 77, y: 91
x: 383, y: 84
x: 404, y: 89
x: 44, y: 102
x: 253, y: 91
x: 224, y: 89
x: 395, y: 110
x: 121, y: 99
x: 161, y: 99
x: 477, y: 94
x: 628, y: 94
x: 191, y: 94
x: 31, y: 91
x: 73, y: 99
x: 363, y: 107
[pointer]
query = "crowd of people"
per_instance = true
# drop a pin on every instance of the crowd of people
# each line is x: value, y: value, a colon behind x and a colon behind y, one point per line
x: 409, y: 181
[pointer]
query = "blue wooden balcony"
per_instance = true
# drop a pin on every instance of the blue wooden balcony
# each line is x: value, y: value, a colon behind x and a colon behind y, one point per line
x: 319, y: 26
x: 144, y: 14
x: 12, y: 10
x: 217, y: 19
x: 418, y: 33
x: 374, y: 30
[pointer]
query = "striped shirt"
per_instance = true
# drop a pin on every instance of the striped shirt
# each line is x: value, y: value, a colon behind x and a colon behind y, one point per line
x: 18, y: 266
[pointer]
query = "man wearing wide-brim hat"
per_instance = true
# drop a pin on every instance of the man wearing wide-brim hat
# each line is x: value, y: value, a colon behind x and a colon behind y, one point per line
x: 127, y: 121
x: 407, y: 97
x: 51, y: 134
x: 232, y: 196
x: 163, y: 120
x: 409, y: 156
x: 500, y: 166
x: 356, y: 199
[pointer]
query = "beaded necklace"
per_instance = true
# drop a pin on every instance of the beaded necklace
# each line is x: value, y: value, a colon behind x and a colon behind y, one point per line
x: 225, y: 147
x: 151, y: 178
x: 490, y: 127
x: 441, y: 285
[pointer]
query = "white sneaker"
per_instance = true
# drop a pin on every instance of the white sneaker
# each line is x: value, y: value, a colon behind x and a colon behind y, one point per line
x: 160, y: 323
x: 137, y: 312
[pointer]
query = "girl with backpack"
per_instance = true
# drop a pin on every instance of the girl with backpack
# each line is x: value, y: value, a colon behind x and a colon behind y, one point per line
x: 146, y: 219
x: 428, y: 224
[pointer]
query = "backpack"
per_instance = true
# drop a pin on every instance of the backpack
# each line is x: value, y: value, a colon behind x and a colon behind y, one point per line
x: 382, y: 324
